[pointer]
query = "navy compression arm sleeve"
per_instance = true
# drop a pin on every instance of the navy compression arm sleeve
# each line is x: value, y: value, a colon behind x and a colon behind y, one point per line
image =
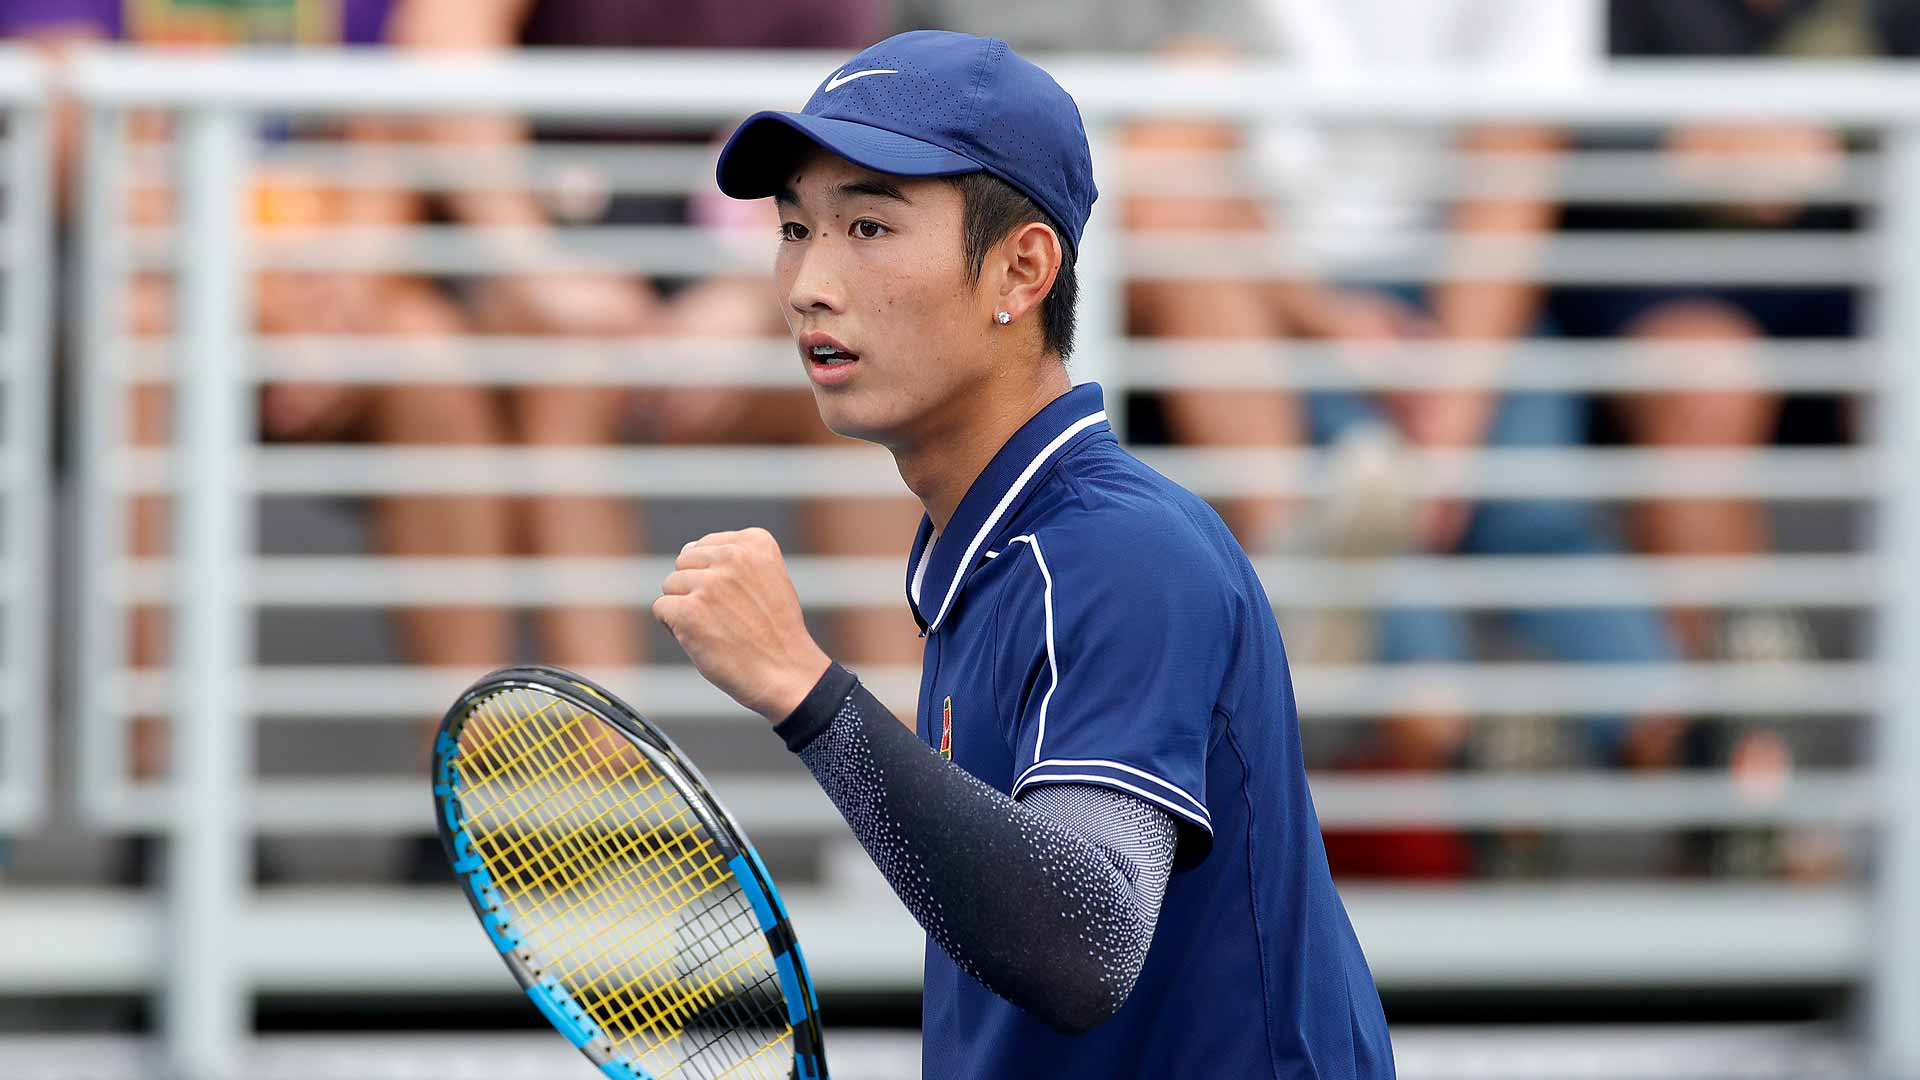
x: 1049, y: 901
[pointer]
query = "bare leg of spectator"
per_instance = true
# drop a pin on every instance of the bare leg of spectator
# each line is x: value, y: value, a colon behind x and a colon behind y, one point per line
x: 1211, y: 310
x: 560, y: 526
x: 1706, y: 419
x: 149, y: 419
x: 1226, y: 418
x: 449, y: 526
x: 878, y: 528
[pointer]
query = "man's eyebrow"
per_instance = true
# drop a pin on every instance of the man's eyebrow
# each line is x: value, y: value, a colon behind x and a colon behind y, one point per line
x: 874, y: 187
x: 869, y: 188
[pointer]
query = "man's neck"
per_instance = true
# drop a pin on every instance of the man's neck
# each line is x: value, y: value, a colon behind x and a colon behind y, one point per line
x: 941, y: 466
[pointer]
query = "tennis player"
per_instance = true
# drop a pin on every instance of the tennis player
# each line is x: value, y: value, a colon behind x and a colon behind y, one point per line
x: 1103, y: 823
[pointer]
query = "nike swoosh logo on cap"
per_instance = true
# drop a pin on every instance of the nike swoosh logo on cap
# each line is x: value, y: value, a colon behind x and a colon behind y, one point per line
x: 839, y: 81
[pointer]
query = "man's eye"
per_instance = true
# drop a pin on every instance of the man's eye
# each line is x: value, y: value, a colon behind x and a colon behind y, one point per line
x: 792, y: 230
x: 869, y: 230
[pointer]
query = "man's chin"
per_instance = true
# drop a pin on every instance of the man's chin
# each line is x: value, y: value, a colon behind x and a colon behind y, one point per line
x: 844, y: 418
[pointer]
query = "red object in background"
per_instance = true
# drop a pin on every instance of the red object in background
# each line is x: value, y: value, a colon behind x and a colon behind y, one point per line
x: 1407, y: 854
x: 1404, y: 854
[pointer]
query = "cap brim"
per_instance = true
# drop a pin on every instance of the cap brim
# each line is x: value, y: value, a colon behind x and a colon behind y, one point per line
x: 754, y: 162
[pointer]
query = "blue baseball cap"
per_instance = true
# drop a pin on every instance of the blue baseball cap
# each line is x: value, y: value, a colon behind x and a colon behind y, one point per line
x: 931, y: 103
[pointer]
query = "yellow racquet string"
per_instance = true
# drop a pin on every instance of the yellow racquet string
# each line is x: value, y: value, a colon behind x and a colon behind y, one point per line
x: 660, y: 1008
x: 584, y: 863
x: 542, y: 748
x: 603, y: 870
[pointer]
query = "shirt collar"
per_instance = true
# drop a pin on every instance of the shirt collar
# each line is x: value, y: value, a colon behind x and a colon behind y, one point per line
x: 934, y: 577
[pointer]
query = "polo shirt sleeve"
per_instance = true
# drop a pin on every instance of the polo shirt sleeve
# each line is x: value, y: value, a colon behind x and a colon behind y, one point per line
x: 1112, y: 656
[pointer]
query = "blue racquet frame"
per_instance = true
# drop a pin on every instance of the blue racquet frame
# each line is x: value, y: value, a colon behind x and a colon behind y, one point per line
x: 553, y: 1001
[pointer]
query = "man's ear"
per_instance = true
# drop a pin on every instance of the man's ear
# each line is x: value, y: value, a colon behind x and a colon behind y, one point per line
x: 1031, y: 257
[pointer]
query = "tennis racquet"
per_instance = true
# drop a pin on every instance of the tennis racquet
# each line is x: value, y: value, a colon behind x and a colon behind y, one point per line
x: 620, y: 893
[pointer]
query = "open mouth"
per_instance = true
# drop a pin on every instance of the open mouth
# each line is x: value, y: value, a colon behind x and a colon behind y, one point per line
x: 831, y: 355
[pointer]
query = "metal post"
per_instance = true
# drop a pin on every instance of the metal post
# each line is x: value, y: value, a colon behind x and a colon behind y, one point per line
x: 29, y: 256
x: 1101, y: 269
x: 207, y: 1004
x: 98, y: 398
x: 1896, y: 997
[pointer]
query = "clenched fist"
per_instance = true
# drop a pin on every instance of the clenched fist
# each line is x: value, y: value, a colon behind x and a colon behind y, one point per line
x: 732, y: 607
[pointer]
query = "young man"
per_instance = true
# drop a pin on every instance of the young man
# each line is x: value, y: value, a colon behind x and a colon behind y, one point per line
x: 1104, y: 823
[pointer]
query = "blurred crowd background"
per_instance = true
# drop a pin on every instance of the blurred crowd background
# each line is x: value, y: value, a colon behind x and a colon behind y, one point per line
x: 1373, y: 221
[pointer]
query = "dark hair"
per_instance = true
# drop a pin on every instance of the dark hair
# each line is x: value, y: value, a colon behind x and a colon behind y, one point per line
x: 994, y: 208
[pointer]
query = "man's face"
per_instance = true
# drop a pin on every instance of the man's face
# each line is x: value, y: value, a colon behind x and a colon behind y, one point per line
x: 874, y: 288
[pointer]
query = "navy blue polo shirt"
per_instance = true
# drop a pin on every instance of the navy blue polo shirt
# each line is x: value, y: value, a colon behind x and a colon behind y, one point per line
x: 1088, y: 621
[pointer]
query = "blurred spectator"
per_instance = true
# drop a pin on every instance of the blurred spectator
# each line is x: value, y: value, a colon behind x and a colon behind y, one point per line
x: 302, y: 303
x: 1775, y: 179
x: 1771, y: 176
x: 619, y: 305
x: 1359, y: 204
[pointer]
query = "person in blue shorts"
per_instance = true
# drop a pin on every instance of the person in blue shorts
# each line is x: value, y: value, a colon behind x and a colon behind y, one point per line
x: 1102, y: 820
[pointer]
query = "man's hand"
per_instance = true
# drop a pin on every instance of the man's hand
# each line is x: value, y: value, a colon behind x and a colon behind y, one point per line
x: 732, y: 607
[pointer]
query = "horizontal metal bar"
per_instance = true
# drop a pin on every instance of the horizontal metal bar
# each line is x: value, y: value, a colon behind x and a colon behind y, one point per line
x: 555, y: 167
x: 696, y: 83
x: 422, y: 941
x: 1810, y: 474
x: 783, y: 804
x: 1613, y: 1051
x: 336, y: 940
x: 23, y: 75
x: 1627, y: 935
x: 1609, y: 1050
x: 396, y: 470
x: 484, y: 249
x: 501, y: 361
x: 1531, y: 689
x: 802, y: 472
x: 680, y: 84
x: 858, y: 1054
x: 873, y: 581
x: 1838, y: 365
x: 1805, y: 690
x: 591, y: 169
x: 397, y: 691
x: 1756, y: 258
x: 351, y: 581
x: 1579, y: 176
x: 18, y: 808
x: 1817, y: 581
x: 1581, y: 800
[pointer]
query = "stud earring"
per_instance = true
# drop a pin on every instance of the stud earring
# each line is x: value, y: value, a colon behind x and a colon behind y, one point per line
x: 1003, y: 317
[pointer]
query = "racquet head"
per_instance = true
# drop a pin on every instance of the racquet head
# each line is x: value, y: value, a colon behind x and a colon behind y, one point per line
x: 622, y: 896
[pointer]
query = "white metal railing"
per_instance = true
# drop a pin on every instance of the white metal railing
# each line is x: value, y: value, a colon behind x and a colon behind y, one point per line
x: 26, y: 234
x: 215, y: 581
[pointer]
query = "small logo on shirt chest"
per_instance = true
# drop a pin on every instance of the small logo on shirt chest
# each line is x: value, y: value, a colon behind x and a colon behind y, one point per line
x: 946, y: 729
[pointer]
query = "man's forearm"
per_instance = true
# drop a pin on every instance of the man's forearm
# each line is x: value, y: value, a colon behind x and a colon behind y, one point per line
x: 1037, y: 912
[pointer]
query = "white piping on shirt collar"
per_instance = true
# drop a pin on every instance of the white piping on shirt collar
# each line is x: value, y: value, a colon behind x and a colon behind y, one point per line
x: 1006, y: 500
x: 920, y: 571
